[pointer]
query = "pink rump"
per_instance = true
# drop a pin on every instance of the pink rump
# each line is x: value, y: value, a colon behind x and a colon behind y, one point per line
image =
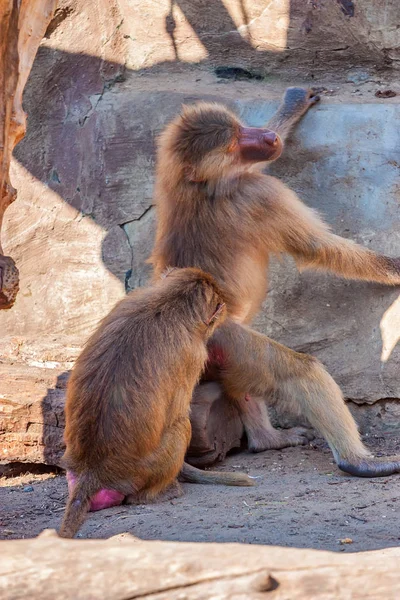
x: 103, y: 498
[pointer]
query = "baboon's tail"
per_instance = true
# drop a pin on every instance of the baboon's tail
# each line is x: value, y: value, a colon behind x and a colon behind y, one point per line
x: 193, y: 475
x: 78, y: 505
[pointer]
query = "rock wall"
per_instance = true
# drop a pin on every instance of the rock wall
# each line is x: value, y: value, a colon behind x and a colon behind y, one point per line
x: 22, y: 25
x: 107, y: 78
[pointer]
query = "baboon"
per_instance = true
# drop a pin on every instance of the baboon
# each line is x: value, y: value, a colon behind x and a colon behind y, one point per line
x: 127, y: 409
x: 219, y: 212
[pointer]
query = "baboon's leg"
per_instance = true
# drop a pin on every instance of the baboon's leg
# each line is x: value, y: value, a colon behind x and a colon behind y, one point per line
x: 174, y: 490
x: 160, y: 470
x: 261, y: 435
x: 216, y: 426
x: 258, y: 366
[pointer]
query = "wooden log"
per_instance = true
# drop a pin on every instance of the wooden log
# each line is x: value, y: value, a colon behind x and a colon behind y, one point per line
x: 22, y: 26
x: 124, y: 567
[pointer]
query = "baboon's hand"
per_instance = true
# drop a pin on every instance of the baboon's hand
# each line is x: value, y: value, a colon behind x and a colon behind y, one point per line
x: 297, y: 101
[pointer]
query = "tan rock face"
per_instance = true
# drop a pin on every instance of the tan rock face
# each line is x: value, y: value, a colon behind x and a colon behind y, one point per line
x: 22, y: 26
x: 32, y: 414
x: 106, y: 80
x: 269, y: 36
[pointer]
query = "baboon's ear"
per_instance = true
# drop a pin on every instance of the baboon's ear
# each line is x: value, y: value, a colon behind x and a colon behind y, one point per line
x: 220, y: 308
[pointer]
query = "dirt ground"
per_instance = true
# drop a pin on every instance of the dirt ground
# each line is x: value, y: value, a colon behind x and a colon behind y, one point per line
x: 301, y: 500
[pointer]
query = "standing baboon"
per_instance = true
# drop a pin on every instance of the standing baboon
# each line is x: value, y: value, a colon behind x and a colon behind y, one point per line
x: 217, y: 212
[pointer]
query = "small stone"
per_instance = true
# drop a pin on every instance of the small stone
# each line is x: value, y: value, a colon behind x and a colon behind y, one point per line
x: 27, y: 488
x: 264, y: 583
x: 357, y: 77
x: 345, y: 541
x: 385, y: 94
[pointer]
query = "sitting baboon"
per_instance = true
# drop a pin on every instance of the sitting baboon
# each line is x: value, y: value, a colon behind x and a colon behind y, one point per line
x: 127, y: 410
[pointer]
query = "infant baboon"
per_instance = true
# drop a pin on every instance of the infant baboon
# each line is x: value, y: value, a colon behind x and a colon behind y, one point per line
x: 127, y: 409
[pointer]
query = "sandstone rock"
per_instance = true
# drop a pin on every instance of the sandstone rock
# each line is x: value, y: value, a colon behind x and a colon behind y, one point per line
x: 22, y: 26
x: 31, y: 414
x: 267, y: 37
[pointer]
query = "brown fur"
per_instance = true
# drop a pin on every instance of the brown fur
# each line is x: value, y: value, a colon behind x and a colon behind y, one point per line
x: 216, y: 212
x: 127, y: 409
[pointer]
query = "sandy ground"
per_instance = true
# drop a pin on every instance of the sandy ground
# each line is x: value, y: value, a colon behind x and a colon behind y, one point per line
x: 300, y: 500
